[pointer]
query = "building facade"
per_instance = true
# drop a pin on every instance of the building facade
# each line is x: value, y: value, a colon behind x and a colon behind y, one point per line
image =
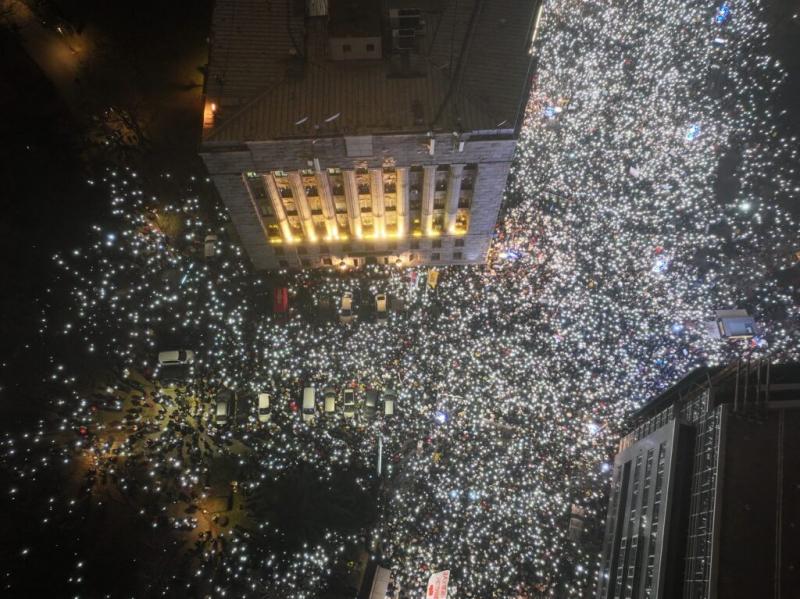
x: 703, y: 501
x: 355, y: 132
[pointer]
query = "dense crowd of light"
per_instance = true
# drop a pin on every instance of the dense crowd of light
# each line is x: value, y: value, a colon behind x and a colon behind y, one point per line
x: 652, y: 186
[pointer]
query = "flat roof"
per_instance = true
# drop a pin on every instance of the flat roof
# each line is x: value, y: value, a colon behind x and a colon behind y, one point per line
x: 473, y: 74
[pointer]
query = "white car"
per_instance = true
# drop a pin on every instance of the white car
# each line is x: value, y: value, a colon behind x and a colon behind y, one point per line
x: 329, y: 400
x: 309, y: 405
x: 221, y: 413
x: 180, y: 356
x: 382, y: 308
x: 346, y: 315
x: 209, y: 246
x: 263, y: 407
x: 349, y: 403
x: 389, y: 402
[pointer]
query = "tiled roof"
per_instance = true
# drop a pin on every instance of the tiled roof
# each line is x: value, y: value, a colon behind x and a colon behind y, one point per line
x: 250, y: 45
x: 250, y: 75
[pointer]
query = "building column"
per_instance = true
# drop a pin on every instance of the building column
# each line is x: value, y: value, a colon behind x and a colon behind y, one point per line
x: 300, y: 200
x: 453, y: 193
x: 328, y: 208
x: 351, y: 198
x: 428, y: 191
x: 376, y: 188
x: 403, y: 225
x: 277, y: 206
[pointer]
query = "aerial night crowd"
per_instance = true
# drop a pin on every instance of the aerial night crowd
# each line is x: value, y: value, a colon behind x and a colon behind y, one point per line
x: 615, y: 245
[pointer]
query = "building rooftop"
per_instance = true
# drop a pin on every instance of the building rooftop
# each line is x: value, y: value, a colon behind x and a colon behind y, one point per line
x: 268, y: 80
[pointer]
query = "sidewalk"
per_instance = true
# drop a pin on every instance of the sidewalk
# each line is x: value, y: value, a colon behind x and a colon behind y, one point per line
x: 59, y: 55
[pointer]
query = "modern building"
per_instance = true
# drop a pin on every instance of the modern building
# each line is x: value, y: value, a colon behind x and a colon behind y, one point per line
x: 346, y: 132
x: 705, y: 495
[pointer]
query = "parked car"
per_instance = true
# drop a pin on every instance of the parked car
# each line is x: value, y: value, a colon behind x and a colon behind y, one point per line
x: 346, y: 315
x: 389, y: 402
x: 221, y: 413
x: 349, y: 403
x: 381, y: 308
x: 263, y: 407
x: 309, y: 404
x: 176, y: 357
x: 329, y: 400
x: 209, y: 247
x: 371, y: 403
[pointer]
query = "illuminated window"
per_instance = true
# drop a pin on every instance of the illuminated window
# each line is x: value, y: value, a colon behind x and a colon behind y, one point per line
x: 462, y: 221
x: 315, y: 204
x: 273, y: 231
x: 438, y: 221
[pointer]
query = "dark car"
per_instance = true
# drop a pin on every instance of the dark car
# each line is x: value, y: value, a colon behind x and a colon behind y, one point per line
x: 371, y: 403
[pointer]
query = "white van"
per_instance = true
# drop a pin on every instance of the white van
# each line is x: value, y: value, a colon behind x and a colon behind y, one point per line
x: 389, y: 402
x: 309, y: 404
x: 263, y: 407
x: 180, y: 356
x: 221, y: 414
x: 381, y: 308
x: 349, y: 402
x: 329, y: 400
x: 209, y: 246
x: 346, y: 310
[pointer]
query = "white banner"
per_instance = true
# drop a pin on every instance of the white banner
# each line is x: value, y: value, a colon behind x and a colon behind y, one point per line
x: 437, y: 585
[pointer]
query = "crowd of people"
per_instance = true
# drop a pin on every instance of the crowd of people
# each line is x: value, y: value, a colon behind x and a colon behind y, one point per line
x: 615, y: 246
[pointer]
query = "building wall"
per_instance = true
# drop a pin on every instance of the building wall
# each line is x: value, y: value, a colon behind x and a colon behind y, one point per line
x: 759, y: 509
x: 492, y: 156
x: 642, y: 554
x: 733, y: 531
